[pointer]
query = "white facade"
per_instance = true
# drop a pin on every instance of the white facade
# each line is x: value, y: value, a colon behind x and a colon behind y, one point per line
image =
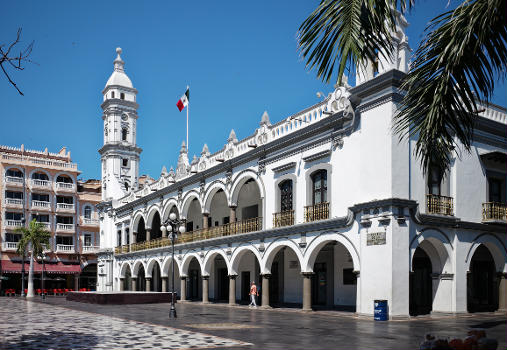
x: 376, y: 233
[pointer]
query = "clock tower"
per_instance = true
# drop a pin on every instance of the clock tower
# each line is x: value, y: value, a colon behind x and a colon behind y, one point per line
x: 120, y: 154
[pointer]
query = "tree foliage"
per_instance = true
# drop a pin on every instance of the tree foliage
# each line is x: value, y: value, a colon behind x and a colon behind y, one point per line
x: 457, y: 63
x: 34, y: 238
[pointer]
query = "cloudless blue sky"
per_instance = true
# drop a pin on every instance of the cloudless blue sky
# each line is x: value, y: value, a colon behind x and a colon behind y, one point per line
x: 239, y: 58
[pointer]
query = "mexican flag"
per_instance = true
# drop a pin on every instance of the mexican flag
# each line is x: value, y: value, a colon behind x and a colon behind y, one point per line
x: 183, y: 102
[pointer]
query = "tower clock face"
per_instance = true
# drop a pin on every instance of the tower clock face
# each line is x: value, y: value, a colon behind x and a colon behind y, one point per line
x: 124, y: 117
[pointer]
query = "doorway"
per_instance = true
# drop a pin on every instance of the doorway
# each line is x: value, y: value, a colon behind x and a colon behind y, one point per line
x: 245, y: 286
x: 420, y: 284
x: 319, y: 284
x: 482, y: 288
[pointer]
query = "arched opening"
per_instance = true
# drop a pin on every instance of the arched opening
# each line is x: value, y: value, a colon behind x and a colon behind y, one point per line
x: 141, y: 231
x: 88, y: 277
x: 14, y: 173
x: 40, y: 176
x: 156, y: 279
x: 173, y: 209
x: 141, y: 279
x: 64, y: 179
x: 420, y: 284
x: 127, y: 280
x: 249, y: 209
x: 333, y: 283
x: 219, y: 210
x: 168, y: 271
x: 219, y: 279
x: 155, y: 226
x: 247, y: 267
x: 194, y: 216
x: 482, y: 284
x: 318, y: 200
x: 194, y: 280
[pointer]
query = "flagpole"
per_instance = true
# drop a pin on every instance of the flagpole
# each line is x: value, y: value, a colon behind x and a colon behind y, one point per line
x: 188, y: 107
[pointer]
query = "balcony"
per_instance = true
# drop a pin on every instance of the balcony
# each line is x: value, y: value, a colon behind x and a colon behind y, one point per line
x: 284, y: 218
x: 40, y: 184
x: 89, y: 222
x: 64, y: 248
x: 14, y: 181
x: 13, y: 223
x: 439, y: 205
x: 64, y: 227
x: 41, y: 205
x: 244, y: 226
x: 91, y: 249
x: 125, y: 248
x: 64, y: 207
x: 317, y: 212
x: 13, y: 203
x: 65, y: 187
x: 494, y: 212
x: 9, y: 246
x: 46, y: 225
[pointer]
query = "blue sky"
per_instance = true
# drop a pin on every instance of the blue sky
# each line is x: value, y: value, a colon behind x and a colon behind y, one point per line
x: 239, y: 58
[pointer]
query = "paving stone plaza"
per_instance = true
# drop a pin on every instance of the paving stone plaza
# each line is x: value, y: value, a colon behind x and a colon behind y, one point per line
x: 59, y: 324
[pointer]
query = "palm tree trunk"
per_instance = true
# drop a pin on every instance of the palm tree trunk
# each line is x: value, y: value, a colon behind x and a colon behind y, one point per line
x: 30, y: 293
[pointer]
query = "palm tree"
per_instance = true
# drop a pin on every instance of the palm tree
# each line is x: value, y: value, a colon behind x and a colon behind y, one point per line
x: 36, y: 239
x: 457, y: 64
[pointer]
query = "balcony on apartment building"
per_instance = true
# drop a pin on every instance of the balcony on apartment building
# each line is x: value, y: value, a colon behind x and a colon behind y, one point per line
x: 90, y: 249
x: 40, y: 184
x: 90, y: 222
x: 65, y: 248
x: 14, y: 203
x: 41, y: 205
x: 319, y: 211
x: 65, y: 208
x: 14, y: 181
x: 9, y: 246
x: 283, y: 218
x: 64, y: 227
x: 12, y: 224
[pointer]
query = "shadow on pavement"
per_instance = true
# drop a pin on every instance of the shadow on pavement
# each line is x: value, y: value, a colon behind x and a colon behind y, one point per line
x: 51, y: 340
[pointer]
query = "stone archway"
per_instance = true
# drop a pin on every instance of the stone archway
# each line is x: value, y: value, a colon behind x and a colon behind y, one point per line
x: 482, y: 282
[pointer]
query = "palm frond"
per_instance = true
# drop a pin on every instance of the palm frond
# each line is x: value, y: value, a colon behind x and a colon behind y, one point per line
x: 35, y: 237
x: 464, y: 51
x: 340, y: 34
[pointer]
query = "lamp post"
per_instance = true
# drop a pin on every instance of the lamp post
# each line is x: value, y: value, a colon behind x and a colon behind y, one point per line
x: 172, y: 225
x: 43, y: 295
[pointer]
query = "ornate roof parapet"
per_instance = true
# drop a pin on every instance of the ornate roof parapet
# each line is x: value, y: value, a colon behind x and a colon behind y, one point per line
x: 183, y: 166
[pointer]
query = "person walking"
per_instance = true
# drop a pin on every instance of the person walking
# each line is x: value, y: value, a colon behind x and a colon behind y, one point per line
x: 253, y: 294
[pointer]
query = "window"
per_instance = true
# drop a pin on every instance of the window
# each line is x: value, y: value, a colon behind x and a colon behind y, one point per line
x: 349, y: 277
x: 68, y: 220
x: 319, y: 187
x: 112, y: 94
x: 127, y: 186
x: 434, y: 181
x: 64, y: 240
x: 119, y: 238
x: 40, y: 197
x: 40, y: 176
x: 64, y: 179
x: 495, y: 190
x: 87, y: 240
x: 122, y: 95
x: 13, y: 195
x: 13, y: 216
x: 190, y: 226
x: 127, y: 234
x: 125, y: 162
x: 88, y: 212
x: 14, y: 173
x: 285, y: 195
x: 12, y: 237
x: 40, y: 218
x: 124, y: 133
x: 64, y: 199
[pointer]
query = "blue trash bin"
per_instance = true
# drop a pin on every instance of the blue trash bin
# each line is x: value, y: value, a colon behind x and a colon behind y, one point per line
x: 380, y: 310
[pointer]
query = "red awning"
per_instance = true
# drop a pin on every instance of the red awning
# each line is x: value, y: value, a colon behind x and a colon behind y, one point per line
x: 13, y: 267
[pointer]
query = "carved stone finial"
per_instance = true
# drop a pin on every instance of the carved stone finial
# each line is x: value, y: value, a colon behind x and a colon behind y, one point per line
x: 265, y: 119
x: 232, y: 137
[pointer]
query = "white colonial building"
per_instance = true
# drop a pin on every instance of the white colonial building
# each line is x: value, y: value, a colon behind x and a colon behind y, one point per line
x: 324, y: 208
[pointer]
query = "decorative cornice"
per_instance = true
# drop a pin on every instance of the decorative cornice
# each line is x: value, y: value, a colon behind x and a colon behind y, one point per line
x: 284, y: 167
x: 317, y: 156
x: 119, y: 146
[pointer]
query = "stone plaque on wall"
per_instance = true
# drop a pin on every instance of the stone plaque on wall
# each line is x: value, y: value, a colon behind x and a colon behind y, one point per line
x: 376, y: 238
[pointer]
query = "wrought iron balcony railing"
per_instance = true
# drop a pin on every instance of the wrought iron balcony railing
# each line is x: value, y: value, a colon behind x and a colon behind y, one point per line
x: 440, y: 205
x: 493, y: 211
x: 316, y: 212
x: 284, y: 218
